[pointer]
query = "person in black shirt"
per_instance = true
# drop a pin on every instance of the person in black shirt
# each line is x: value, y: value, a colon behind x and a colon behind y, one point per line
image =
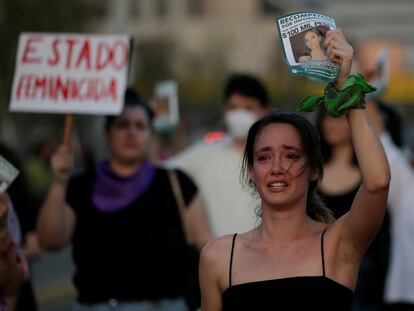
x: 122, y: 218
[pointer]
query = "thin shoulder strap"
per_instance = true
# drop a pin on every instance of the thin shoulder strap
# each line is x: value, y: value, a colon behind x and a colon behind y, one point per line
x: 231, y: 257
x: 322, y: 253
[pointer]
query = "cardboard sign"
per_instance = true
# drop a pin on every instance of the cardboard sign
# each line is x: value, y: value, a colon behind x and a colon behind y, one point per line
x: 70, y: 73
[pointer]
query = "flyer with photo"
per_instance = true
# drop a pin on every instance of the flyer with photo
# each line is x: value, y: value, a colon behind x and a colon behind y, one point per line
x: 165, y: 105
x: 8, y: 174
x: 302, y: 35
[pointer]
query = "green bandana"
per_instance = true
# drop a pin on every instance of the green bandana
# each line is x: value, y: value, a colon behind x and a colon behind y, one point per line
x: 338, y: 103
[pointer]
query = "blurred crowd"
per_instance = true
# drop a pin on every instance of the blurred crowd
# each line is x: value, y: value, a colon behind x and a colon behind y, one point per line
x: 137, y: 220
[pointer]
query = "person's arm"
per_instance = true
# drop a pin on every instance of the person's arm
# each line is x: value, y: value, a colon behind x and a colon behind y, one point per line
x: 339, y: 51
x: 196, y: 218
x: 213, y: 271
x: 360, y: 225
x: 356, y: 229
x: 56, y: 220
x: 11, y: 273
x: 31, y: 246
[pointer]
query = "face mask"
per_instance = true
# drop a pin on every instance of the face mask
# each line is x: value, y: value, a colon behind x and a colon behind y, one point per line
x: 238, y: 122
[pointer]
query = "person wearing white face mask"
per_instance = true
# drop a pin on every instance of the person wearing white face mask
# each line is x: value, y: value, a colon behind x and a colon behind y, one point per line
x: 215, y: 167
x: 238, y: 122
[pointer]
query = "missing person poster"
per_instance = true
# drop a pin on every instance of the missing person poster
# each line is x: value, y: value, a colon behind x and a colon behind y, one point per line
x: 303, y: 36
x: 8, y: 174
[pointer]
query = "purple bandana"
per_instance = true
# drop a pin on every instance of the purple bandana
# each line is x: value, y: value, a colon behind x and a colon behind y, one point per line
x: 112, y: 192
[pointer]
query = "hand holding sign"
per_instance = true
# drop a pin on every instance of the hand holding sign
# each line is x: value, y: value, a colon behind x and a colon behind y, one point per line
x: 348, y: 91
x: 303, y: 36
x: 62, y: 164
x: 340, y: 52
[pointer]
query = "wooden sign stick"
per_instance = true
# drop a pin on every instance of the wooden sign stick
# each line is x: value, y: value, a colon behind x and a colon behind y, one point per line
x: 67, y: 136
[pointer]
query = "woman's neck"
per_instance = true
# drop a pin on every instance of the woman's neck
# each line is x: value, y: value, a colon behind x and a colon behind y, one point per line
x: 284, y: 226
x: 125, y: 169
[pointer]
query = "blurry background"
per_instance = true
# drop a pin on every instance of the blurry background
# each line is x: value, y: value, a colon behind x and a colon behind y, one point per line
x: 198, y: 43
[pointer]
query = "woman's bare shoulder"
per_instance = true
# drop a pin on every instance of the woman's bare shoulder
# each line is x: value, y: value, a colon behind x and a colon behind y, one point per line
x: 215, y: 260
x: 218, y: 248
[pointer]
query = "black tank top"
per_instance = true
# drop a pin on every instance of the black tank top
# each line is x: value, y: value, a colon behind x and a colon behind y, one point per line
x: 295, y: 293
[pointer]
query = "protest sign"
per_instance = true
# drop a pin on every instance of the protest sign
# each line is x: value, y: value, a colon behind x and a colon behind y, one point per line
x: 70, y: 73
x: 8, y: 174
x: 165, y: 105
x: 302, y: 36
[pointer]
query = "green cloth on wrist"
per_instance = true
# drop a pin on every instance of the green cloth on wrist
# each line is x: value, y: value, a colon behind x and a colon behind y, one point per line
x: 338, y: 102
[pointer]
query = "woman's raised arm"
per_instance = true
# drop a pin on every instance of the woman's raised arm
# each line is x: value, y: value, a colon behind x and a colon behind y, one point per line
x: 358, y: 227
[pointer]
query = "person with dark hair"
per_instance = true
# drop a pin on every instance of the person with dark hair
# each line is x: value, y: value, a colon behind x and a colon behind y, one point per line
x: 246, y: 85
x: 123, y: 219
x: 215, y: 167
x: 295, y: 259
x: 342, y: 177
x: 314, y: 46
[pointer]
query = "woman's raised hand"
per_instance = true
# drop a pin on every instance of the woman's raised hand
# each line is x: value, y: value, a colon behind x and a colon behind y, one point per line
x: 339, y: 51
